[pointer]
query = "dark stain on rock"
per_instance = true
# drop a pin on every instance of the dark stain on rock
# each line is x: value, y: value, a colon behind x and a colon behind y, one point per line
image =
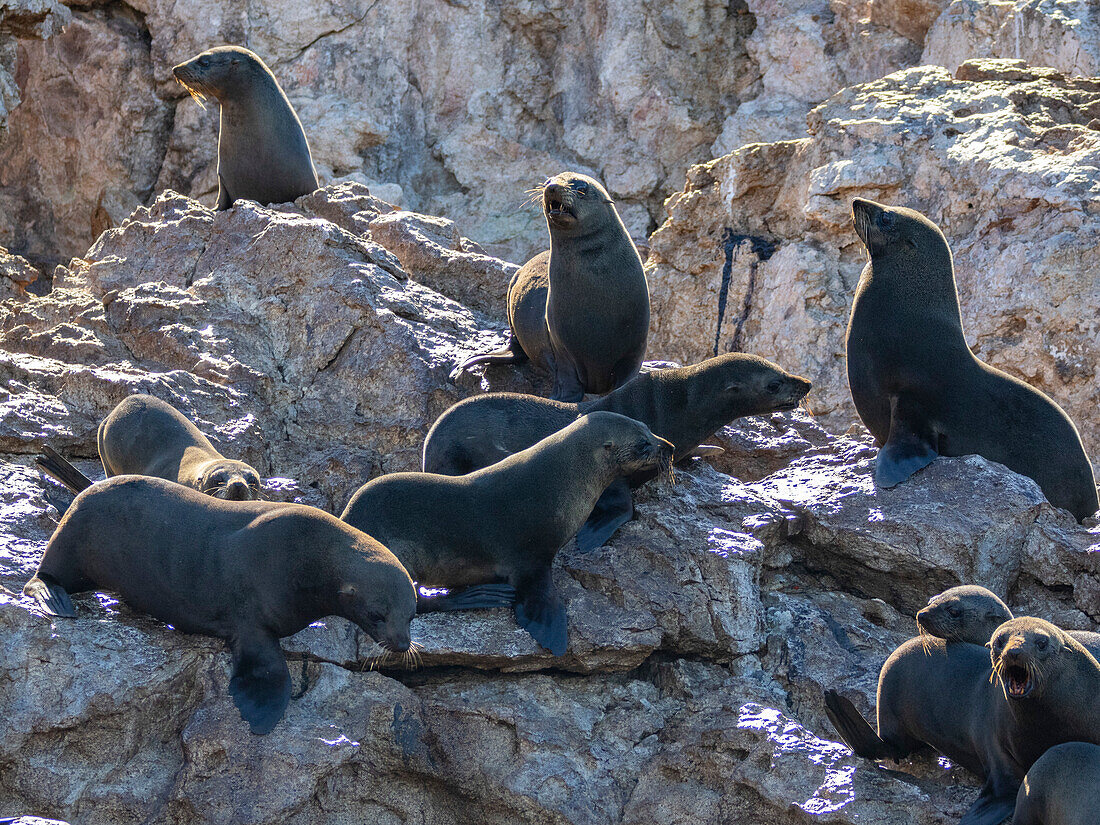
x: 763, y: 249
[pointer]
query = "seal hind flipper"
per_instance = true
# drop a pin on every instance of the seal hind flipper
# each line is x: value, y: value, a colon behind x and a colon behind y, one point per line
x: 260, y: 684
x: 51, y: 597
x: 855, y: 731
x: 541, y: 613
x: 475, y: 597
x: 54, y: 465
x: 908, y: 448
x: 613, y: 509
x: 989, y: 809
x: 512, y: 353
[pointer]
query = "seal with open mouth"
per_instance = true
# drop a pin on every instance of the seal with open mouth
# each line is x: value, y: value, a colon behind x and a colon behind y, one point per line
x: 580, y: 310
x: 263, y: 154
x: 685, y: 406
x: 920, y: 390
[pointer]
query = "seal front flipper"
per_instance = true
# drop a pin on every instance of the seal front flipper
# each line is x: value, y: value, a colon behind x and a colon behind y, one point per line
x: 613, y: 509
x: 511, y: 354
x: 54, y: 465
x: 854, y: 730
x: 51, y: 597
x: 260, y: 684
x: 225, y: 200
x: 472, y: 598
x: 989, y: 809
x: 541, y: 613
x: 909, y: 446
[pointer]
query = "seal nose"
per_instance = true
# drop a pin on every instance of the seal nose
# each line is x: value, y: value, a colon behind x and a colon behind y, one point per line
x: 237, y: 490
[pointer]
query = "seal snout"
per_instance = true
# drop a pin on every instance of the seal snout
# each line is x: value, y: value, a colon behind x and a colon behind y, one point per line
x: 238, y: 490
x: 557, y: 202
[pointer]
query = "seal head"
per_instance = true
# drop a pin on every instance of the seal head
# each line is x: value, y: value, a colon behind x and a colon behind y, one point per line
x: 1025, y: 653
x: 230, y: 480
x: 968, y: 613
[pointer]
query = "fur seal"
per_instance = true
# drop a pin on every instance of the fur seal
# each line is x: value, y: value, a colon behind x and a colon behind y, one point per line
x: 506, y: 522
x: 919, y: 389
x: 970, y: 613
x: 247, y: 572
x: 685, y: 406
x: 1062, y: 787
x: 263, y: 154
x: 581, y: 309
x: 146, y: 436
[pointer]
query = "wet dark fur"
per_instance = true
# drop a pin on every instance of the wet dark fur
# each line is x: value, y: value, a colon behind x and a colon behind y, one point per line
x: 920, y: 390
x: 247, y: 572
x: 581, y: 309
x: 506, y: 522
x: 263, y: 154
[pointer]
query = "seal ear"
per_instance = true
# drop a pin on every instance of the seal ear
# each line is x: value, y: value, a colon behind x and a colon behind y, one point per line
x: 347, y: 593
x: 609, y: 445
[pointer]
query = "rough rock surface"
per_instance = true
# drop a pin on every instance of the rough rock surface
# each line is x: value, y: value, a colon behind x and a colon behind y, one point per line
x: 701, y: 637
x: 1006, y: 159
x: 455, y: 108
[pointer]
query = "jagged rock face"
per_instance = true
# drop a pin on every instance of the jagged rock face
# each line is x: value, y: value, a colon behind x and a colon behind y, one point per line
x: 701, y: 637
x: 1004, y: 158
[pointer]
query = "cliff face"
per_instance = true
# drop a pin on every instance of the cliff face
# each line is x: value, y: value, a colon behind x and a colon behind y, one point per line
x: 307, y: 342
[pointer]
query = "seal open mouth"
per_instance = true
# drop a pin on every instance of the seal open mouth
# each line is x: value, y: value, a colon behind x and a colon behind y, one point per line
x: 1017, y: 680
x: 558, y: 209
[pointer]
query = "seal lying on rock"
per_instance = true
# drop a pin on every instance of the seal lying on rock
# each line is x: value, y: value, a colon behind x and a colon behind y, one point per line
x: 920, y: 390
x: 506, y: 522
x: 685, y: 406
x: 263, y: 154
x: 146, y: 436
x: 581, y: 309
x: 247, y: 572
x: 970, y: 613
x: 1062, y: 788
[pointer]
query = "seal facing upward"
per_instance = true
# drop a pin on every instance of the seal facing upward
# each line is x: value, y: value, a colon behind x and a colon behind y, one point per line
x: 580, y: 310
x: 263, y: 154
x: 920, y: 390
x: 249, y: 572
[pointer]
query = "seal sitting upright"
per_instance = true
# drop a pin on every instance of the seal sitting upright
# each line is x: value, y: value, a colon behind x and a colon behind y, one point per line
x: 920, y: 390
x: 580, y: 310
x: 506, y: 522
x: 263, y: 154
x: 249, y: 572
x: 146, y: 436
x: 684, y: 405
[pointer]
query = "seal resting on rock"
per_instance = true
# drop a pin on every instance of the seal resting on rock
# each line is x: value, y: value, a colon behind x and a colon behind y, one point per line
x: 919, y: 389
x: 506, y: 522
x: 263, y: 154
x: 970, y: 613
x: 581, y: 309
x: 1062, y: 787
x: 248, y: 572
x: 146, y: 436
x: 685, y: 406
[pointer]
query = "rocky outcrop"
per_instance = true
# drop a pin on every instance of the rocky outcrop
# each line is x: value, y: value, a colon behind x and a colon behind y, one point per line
x: 1003, y: 157
x: 701, y: 637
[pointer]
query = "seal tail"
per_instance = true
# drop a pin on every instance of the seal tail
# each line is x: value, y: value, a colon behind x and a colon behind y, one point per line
x: 511, y: 354
x: 51, y: 463
x: 51, y: 597
x: 854, y: 730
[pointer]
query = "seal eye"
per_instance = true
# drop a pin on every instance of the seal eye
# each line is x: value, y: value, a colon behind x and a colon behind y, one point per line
x: 773, y: 387
x: 1041, y: 642
x: 954, y: 612
x: 886, y: 219
x: 375, y: 617
x: 580, y: 187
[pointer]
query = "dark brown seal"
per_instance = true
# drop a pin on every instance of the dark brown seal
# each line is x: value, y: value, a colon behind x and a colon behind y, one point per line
x: 506, y: 522
x: 685, y: 406
x: 248, y: 572
x: 149, y: 437
x: 970, y: 613
x: 263, y: 154
x: 580, y: 310
x: 1062, y: 787
x: 920, y: 390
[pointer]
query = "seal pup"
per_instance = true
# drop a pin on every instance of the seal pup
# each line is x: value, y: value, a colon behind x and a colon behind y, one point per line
x: 263, y: 154
x: 1062, y: 787
x: 146, y: 436
x: 685, y: 406
x: 919, y: 389
x: 506, y: 522
x: 970, y: 613
x: 581, y: 309
x: 248, y: 572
